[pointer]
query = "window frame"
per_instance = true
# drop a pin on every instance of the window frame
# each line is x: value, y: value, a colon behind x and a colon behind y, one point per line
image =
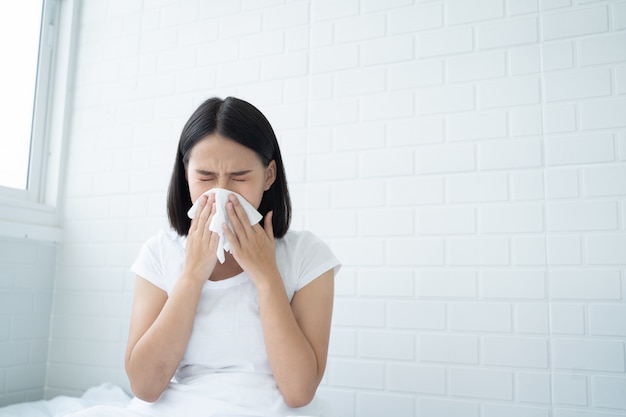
x: 33, y: 213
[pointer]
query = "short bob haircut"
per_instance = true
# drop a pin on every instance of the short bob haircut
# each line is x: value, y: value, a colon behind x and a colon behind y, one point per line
x: 240, y: 121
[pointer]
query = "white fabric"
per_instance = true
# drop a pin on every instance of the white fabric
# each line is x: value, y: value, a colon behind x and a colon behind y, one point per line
x: 108, y: 400
x: 106, y: 393
x: 225, y: 370
x: 300, y: 256
x: 220, y: 217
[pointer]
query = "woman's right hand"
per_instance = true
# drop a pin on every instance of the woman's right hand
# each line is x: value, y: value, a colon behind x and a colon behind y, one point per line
x: 161, y: 322
x: 200, y: 256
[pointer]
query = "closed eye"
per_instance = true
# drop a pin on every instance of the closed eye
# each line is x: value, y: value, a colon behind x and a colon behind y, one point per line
x: 237, y: 176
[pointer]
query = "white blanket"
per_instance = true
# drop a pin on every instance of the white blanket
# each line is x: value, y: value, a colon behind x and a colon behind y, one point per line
x: 105, y: 394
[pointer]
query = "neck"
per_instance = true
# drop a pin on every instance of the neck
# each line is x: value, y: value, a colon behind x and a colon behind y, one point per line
x: 228, y: 269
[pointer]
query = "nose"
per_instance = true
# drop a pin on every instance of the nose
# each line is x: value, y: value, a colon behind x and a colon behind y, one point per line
x: 223, y: 183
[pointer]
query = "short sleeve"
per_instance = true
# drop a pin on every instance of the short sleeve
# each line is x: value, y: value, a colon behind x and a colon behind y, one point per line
x: 149, y: 262
x: 312, y: 258
x: 315, y: 259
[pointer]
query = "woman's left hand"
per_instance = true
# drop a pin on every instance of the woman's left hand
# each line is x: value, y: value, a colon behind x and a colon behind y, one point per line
x: 252, y: 245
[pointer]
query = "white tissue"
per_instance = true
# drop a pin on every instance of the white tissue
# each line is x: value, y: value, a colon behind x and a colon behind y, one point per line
x: 220, y: 217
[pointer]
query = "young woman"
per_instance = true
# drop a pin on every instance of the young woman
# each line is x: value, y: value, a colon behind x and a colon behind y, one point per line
x: 246, y: 337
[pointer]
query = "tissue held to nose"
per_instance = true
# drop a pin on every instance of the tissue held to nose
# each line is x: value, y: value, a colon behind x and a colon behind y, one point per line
x: 220, y: 217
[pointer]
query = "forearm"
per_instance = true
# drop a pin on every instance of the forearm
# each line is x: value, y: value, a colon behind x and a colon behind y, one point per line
x: 293, y: 361
x: 154, y: 358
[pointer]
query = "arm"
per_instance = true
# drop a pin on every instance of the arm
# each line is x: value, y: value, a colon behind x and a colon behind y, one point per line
x: 159, y: 331
x: 296, y: 334
x: 161, y: 325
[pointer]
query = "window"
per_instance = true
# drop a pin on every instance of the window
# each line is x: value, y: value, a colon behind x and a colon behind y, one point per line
x: 20, y: 29
x: 36, y: 38
x: 24, y: 36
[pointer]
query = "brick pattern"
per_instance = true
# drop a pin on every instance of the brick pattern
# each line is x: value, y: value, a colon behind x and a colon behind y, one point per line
x: 26, y: 284
x: 465, y: 160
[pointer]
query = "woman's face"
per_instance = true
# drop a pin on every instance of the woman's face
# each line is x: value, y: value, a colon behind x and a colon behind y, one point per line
x: 219, y: 162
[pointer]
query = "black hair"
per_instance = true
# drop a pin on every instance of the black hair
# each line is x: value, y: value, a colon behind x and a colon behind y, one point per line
x: 237, y: 120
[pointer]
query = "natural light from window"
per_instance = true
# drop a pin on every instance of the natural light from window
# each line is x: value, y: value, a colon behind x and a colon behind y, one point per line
x: 20, y: 23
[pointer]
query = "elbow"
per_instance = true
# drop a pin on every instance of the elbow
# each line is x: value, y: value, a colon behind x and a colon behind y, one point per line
x: 299, y: 399
x: 298, y: 402
x: 146, y: 394
x: 300, y: 392
x: 146, y: 389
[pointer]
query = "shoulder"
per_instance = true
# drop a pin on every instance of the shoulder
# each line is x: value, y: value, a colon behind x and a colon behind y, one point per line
x: 299, y: 243
x: 165, y: 239
x: 166, y: 236
x: 160, y: 257
x: 302, y: 257
x: 297, y: 237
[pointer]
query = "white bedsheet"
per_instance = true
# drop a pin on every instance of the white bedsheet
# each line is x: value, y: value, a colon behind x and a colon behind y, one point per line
x: 105, y: 394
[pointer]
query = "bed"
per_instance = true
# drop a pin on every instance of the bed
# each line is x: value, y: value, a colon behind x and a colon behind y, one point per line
x: 105, y: 394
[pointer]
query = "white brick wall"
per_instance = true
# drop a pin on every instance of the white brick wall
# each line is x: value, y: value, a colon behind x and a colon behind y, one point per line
x: 464, y: 159
x: 494, y: 384
x: 26, y: 286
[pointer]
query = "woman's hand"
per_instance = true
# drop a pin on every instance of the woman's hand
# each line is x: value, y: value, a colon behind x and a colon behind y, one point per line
x: 161, y: 322
x: 200, y: 255
x: 252, y: 245
x: 296, y: 333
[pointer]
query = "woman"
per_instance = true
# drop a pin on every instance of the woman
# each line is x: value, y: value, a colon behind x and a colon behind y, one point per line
x: 248, y: 336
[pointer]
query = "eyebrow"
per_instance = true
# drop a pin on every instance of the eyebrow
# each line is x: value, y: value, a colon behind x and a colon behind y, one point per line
x: 233, y: 173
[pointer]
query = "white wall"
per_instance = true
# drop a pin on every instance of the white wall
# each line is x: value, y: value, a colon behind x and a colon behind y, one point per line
x: 27, y: 270
x: 465, y: 160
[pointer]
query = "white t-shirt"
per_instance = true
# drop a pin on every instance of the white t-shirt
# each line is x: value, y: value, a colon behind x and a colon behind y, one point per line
x: 227, y: 337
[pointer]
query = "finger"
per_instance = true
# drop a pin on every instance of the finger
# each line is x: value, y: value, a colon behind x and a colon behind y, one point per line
x: 202, y: 215
x: 211, y: 210
x: 195, y: 220
x: 210, y: 205
x: 236, y: 224
x: 204, y: 212
x: 237, y: 215
x: 231, y: 237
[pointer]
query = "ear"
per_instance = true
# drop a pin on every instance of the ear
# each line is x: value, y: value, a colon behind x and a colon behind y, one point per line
x: 270, y: 174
